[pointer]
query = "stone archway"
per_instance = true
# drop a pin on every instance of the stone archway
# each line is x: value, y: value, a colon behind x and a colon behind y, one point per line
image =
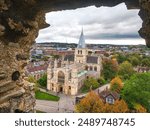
x: 60, y: 89
x: 20, y: 21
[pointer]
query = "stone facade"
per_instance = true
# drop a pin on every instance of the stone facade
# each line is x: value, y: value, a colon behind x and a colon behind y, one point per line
x: 70, y: 76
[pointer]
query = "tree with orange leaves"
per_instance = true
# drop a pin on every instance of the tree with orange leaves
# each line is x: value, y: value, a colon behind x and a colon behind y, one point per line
x: 139, y: 108
x: 90, y: 104
x: 120, y: 106
x: 116, y: 84
x: 93, y: 104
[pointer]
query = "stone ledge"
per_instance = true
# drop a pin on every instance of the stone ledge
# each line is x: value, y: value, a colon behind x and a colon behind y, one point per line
x: 7, y: 87
x: 11, y: 94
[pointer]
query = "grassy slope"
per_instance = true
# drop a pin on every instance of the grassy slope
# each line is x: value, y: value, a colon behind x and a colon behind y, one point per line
x: 45, y: 96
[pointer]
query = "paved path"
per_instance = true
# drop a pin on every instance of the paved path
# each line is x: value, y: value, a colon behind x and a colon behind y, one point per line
x: 64, y: 105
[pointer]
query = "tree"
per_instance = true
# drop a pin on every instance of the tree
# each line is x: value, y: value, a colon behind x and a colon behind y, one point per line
x: 56, y: 56
x: 110, y: 68
x: 134, y: 60
x: 136, y: 90
x: 145, y: 62
x: 31, y: 79
x: 93, y: 104
x: 91, y: 82
x: 43, y: 81
x: 120, y: 106
x: 140, y: 109
x: 116, y: 84
x: 101, y: 81
x: 125, y: 70
x: 121, y: 58
x: 90, y: 104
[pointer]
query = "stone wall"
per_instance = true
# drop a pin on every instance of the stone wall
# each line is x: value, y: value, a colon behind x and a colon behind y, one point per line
x: 19, y: 27
x: 20, y: 21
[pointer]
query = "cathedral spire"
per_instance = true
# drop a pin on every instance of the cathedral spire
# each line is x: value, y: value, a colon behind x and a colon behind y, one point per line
x: 81, y: 43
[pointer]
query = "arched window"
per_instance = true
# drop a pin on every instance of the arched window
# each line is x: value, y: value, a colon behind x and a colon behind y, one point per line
x: 95, y: 68
x: 91, y: 68
x: 69, y: 87
x: 69, y: 76
x: 86, y: 67
x: 61, y: 77
x: 78, y: 51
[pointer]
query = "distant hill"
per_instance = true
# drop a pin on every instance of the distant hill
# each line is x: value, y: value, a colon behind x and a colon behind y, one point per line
x: 74, y: 45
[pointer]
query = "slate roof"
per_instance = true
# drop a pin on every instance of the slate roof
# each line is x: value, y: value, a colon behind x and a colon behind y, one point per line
x: 69, y: 57
x: 37, y: 68
x: 104, y: 94
x: 81, y: 43
x: 92, y: 59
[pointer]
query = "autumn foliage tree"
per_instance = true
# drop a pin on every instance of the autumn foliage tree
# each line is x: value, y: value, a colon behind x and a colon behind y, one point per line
x: 90, y: 104
x: 139, y: 108
x: 120, y: 106
x: 93, y: 104
x: 116, y: 84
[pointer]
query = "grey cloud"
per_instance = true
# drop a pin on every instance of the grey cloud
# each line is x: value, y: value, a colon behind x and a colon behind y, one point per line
x: 98, y: 24
x: 108, y: 36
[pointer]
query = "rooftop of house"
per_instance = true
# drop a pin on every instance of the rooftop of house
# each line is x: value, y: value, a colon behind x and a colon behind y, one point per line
x: 37, y: 68
x: 104, y: 94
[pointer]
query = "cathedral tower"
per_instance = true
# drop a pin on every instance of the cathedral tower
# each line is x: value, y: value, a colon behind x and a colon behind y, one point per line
x: 81, y: 50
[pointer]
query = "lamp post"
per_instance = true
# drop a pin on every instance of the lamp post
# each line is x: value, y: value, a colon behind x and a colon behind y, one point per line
x: 66, y: 102
x: 58, y: 106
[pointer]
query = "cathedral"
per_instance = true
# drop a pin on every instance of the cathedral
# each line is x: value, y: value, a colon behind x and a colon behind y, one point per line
x: 68, y: 76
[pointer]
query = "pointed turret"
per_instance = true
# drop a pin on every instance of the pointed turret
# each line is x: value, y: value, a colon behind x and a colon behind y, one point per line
x: 67, y: 64
x: 55, y: 63
x: 81, y: 43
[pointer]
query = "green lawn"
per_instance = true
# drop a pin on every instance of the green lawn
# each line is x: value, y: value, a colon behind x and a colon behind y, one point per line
x: 45, y: 96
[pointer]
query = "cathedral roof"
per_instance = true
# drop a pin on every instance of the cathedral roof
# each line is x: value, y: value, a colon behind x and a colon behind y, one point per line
x: 81, y: 43
x: 92, y: 59
x: 69, y: 57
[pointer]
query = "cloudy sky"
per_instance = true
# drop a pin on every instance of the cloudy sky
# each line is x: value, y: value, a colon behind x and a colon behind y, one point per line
x: 103, y: 25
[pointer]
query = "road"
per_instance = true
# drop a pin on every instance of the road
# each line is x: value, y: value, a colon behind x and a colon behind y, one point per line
x: 64, y: 105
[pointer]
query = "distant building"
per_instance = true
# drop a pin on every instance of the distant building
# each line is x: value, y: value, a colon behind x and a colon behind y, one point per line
x: 36, y: 70
x: 142, y: 69
x: 74, y: 69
